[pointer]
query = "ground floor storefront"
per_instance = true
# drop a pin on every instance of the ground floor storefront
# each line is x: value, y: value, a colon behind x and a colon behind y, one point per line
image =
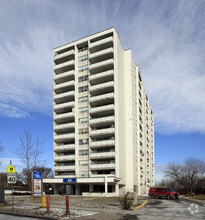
x: 101, y: 186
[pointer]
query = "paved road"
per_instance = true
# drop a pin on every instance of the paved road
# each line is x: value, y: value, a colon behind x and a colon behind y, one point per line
x: 163, y: 209
x: 157, y: 209
x: 12, y: 217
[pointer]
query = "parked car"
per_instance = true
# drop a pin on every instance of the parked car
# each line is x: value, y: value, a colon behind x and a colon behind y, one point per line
x: 49, y: 191
x: 163, y: 192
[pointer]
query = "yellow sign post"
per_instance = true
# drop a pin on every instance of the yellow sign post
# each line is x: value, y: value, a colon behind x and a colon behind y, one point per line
x: 11, y: 169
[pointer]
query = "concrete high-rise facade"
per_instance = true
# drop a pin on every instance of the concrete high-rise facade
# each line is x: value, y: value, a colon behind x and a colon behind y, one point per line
x: 103, y: 122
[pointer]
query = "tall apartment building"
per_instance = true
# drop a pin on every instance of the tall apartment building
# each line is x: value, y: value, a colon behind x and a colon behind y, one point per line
x: 103, y: 122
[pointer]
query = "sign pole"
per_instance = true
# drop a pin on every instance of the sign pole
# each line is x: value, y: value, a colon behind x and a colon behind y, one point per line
x: 12, y: 196
x: 32, y: 192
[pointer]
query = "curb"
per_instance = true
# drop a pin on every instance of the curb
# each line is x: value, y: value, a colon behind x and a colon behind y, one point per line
x: 142, y: 205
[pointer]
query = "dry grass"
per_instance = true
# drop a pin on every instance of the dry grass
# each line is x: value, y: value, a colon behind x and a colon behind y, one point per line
x: 202, y: 197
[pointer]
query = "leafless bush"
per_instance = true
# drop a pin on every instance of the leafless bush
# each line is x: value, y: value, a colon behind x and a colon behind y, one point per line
x: 127, y: 200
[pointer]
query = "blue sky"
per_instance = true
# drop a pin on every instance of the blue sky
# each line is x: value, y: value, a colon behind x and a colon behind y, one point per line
x: 167, y: 38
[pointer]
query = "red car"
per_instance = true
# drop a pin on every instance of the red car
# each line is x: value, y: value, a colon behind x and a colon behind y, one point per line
x: 163, y: 192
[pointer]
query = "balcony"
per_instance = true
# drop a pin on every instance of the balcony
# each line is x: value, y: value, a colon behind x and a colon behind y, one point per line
x: 109, y: 62
x: 102, y: 155
x: 102, y: 121
x: 58, y: 107
x: 101, y: 53
x: 106, y: 143
x: 102, y: 166
x: 62, y: 148
x: 64, y: 117
x: 105, y: 76
x: 102, y: 109
x: 63, y: 77
x: 65, y: 54
x: 64, y: 168
x: 102, y: 132
x: 63, y: 127
x: 64, y: 87
x: 63, y: 137
x: 63, y: 67
x: 64, y: 158
x: 104, y: 99
x: 64, y: 97
x: 100, y: 42
x: 103, y: 86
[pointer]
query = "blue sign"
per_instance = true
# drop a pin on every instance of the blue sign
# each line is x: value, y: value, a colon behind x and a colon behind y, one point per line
x: 37, y: 182
x: 69, y: 180
x: 37, y: 175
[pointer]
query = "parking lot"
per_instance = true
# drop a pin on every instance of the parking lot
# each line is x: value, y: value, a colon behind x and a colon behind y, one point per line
x: 107, y: 208
x: 161, y: 209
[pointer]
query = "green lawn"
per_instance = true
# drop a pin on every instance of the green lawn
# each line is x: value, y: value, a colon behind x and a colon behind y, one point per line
x: 202, y: 197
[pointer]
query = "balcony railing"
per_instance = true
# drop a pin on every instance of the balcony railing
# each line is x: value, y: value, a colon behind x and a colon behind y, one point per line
x: 102, y: 166
x: 101, y: 53
x: 64, y: 158
x: 64, y: 126
x: 102, y: 86
x: 62, y: 65
x: 64, y: 105
x: 62, y: 137
x: 102, y: 108
x: 65, y: 54
x: 60, y: 117
x: 102, y: 155
x: 102, y: 120
x: 64, y: 95
x: 66, y: 147
x: 102, y: 143
x: 102, y: 132
x: 103, y: 41
x: 102, y: 97
x: 64, y: 168
x: 64, y: 85
x: 102, y: 63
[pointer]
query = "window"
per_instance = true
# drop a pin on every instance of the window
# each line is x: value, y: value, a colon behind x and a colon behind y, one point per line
x: 83, y: 131
x: 83, y: 163
x: 80, y: 49
x: 69, y: 164
x: 83, y: 88
x: 83, y: 152
x: 83, y: 173
x: 82, y: 68
x: 83, y: 78
x: 83, y: 99
x: 83, y: 120
x: 82, y: 58
x: 83, y: 141
x: 83, y: 109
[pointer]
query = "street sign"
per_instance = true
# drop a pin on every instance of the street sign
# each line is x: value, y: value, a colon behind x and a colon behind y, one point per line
x: 11, y: 178
x: 11, y: 169
x: 69, y: 180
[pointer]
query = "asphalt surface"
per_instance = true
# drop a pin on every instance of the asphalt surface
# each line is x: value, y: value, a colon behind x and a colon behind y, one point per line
x: 13, y: 217
x: 156, y: 209
x: 162, y: 209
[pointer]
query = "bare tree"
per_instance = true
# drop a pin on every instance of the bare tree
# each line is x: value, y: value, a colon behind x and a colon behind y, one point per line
x: 26, y: 152
x: 188, y: 174
x: 38, y: 151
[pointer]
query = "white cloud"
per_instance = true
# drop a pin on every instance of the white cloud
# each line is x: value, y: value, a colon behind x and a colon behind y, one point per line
x: 166, y: 38
x: 159, y: 171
